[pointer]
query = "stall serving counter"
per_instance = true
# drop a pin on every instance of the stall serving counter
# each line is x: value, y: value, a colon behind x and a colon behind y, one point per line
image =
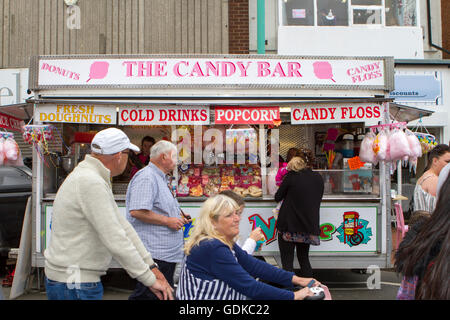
x: 231, y: 117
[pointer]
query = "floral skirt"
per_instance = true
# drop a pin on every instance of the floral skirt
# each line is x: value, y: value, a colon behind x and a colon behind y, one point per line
x: 300, y: 237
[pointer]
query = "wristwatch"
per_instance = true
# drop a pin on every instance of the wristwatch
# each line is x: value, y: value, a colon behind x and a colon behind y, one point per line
x: 153, y: 266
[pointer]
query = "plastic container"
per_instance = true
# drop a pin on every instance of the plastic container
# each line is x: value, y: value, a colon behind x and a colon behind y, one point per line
x: 348, y: 146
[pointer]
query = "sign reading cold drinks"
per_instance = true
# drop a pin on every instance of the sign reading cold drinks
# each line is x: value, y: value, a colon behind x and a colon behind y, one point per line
x: 164, y: 115
x: 336, y: 113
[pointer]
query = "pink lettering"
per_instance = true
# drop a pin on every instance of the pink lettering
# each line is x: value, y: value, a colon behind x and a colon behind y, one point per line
x: 228, y: 69
x: 129, y: 67
x: 196, y: 71
x: 293, y: 68
x: 278, y: 70
x: 176, y: 68
x: 263, y: 68
x: 243, y: 68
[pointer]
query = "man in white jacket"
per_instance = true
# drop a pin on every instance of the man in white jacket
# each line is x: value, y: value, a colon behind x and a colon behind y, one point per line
x: 88, y: 230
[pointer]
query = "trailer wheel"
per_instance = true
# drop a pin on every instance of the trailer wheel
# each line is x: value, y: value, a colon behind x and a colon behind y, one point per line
x: 356, y: 238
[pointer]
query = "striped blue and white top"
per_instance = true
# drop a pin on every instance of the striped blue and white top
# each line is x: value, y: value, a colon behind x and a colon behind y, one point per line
x: 214, y: 272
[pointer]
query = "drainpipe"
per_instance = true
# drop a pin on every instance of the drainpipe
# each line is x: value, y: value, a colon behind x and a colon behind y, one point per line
x: 430, y: 36
x: 260, y: 22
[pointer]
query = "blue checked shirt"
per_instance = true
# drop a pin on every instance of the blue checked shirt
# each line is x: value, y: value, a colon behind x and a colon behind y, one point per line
x: 148, y: 190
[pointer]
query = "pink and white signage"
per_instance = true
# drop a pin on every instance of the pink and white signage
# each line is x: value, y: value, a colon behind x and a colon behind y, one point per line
x: 245, y: 115
x: 336, y: 113
x: 163, y: 115
x: 279, y: 71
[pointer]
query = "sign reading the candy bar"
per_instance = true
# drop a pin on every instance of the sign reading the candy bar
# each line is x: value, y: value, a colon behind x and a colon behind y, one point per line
x: 77, y: 113
x: 336, y: 113
x: 164, y: 115
x: 219, y: 71
x: 10, y: 123
x: 245, y: 115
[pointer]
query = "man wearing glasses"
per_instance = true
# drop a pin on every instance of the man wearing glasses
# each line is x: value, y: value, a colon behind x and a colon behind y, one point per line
x: 88, y: 229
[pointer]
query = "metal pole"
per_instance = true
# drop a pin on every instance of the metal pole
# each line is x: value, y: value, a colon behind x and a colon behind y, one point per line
x: 261, y: 20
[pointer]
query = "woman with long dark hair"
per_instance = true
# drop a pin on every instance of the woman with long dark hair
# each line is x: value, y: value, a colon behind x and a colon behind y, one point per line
x: 424, y: 259
x: 425, y: 191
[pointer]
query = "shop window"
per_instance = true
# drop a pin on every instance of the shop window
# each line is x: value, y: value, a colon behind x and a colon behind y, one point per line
x: 332, y: 13
x: 401, y: 13
x: 366, y: 2
x: 367, y: 16
x: 348, y: 12
x: 299, y: 12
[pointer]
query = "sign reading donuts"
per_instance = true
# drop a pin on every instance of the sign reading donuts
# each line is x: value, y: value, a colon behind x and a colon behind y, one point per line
x: 244, y: 115
x: 333, y: 113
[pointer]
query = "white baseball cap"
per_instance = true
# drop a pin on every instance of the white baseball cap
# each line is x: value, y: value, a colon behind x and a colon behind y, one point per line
x: 111, y: 141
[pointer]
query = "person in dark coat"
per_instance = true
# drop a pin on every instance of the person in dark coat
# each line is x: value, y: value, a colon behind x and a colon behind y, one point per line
x: 298, y: 220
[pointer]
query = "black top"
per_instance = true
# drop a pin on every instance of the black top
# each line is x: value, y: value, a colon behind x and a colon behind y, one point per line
x: 302, y: 193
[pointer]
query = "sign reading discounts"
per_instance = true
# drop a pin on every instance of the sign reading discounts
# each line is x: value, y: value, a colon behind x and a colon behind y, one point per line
x: 77, y: 113
x: 10, y: 123
x: 164, y: 115
x: 220, y: 71
x: 336, y: 113
x: 241, y: 115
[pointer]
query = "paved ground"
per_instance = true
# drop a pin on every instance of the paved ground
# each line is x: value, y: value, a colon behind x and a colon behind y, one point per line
x: 343, y: 284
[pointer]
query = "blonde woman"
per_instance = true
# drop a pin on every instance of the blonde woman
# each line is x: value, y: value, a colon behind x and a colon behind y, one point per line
x: 298, y: 221
x: 216, y: 268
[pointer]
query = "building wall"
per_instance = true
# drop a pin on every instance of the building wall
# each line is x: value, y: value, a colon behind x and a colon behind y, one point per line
x: 402, y: 42
x: 440, y: 119
x: 445, y: 10
x: 238, y: 27
x: 40, y: 27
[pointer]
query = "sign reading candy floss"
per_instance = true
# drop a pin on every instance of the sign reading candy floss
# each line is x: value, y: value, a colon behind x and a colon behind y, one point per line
x: 221, y: 71
x: 336, y: 113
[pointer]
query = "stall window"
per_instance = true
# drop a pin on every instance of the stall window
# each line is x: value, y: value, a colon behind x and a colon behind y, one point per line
x: 298, y: 12
x: 367, y: 12
x: 332, y: 13
x: 348, y: 12
x: 401, y: 13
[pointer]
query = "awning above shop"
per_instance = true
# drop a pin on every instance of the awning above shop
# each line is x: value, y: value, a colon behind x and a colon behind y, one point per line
x: 402, y: 113
x: 23, y: 111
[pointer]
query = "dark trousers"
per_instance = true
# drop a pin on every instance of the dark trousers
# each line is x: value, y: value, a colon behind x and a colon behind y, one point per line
x: 142, y: 292
x: 287, y: 256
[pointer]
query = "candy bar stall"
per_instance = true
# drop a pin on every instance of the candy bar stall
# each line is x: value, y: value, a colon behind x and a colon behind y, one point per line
x: 233, y: 119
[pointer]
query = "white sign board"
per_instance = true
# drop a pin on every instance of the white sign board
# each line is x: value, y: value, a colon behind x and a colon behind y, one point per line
x: 219, y: 71
x: 164, y: 115
x: 341, y: 229
x: 336, y: 113
x: 13, y: 86
x: 77, y: 113
x: 357, y: 234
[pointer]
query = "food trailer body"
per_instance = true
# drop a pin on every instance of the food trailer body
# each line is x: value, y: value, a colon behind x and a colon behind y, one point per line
x: 259, y: 105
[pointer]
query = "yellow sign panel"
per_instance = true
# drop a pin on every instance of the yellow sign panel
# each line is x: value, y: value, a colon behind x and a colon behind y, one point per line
x: 77, y: 113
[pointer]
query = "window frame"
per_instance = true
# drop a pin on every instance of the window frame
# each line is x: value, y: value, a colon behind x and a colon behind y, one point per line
x: 351, y: 8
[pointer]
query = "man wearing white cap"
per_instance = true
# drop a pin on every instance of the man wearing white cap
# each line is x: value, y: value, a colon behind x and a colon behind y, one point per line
x: 88, y: 230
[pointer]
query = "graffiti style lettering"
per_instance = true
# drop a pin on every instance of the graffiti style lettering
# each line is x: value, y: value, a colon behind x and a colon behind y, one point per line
x: 326, y: 231
x: 269, y: 229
